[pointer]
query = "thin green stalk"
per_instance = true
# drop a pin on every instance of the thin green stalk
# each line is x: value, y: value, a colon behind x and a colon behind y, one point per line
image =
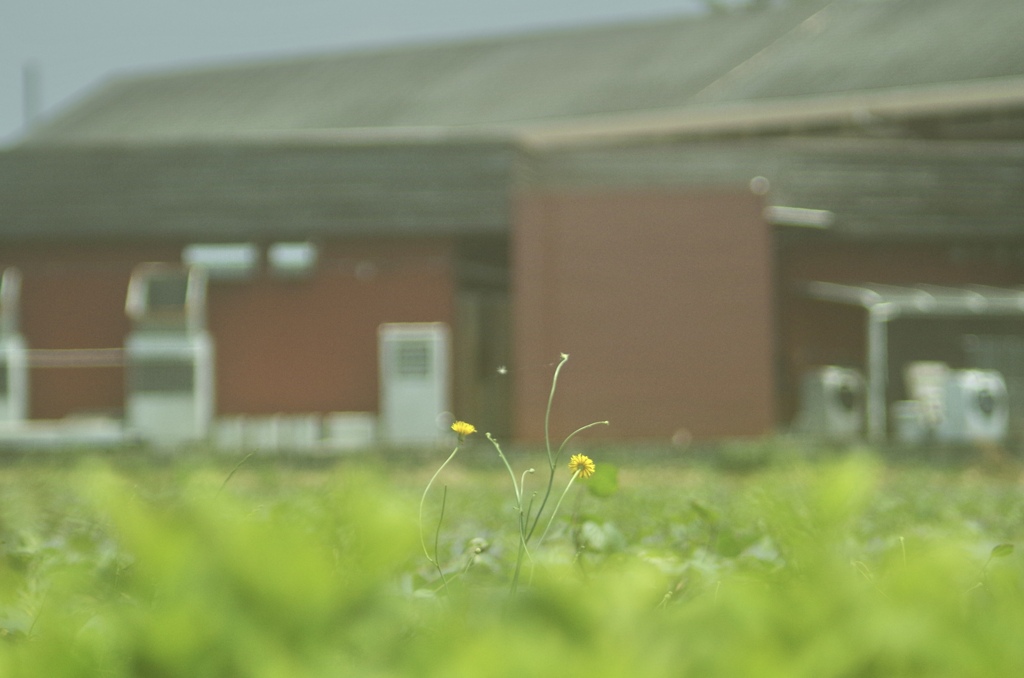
x: 555, y: 511
x: 423, y: 542
x: 437, y: 537
x: 524, y: 516
x: 39, y: 611
x: 547, y: 413
x: 522, y: 480
x: 551, y: 478
x: 523, y: 550
x: 519, y: 563
x: 573, y: 435
x: 543, y: 503
x: 237, y: 466
x: 511, y: 473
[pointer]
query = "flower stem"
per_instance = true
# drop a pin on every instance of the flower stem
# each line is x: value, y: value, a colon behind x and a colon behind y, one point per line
x: 555, y: 511
x: 511, y: 473
x: 551, y: 478
x: 543, y: 503
x: 573, y: 435
x: 547, y: 413
x: 423, y: 541
x: 437, y: 536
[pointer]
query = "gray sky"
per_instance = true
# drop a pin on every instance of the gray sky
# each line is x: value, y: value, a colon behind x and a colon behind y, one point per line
x: 75, y: 44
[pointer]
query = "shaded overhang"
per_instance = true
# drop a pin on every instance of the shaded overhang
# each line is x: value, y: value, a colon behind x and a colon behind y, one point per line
x: 885, y: 303
x: 926, y: 300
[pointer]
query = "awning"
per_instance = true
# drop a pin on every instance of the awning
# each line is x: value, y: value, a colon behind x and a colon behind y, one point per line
x: 884, y: 303
x: 934, y: 300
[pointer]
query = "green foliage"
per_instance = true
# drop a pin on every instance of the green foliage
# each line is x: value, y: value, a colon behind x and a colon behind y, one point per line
x: 1002, y: 551
x: 605, y: 481
x: 528, y: 516
x: 832, y: 568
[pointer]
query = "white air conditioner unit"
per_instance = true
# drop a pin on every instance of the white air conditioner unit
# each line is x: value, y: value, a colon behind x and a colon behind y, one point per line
x: 169, y: 355
x: 13, y: 379
x: 170, y: 390
x: 414, y: 382
x: 832, y: 404
x: 976, y: 407
x: 13, y: 353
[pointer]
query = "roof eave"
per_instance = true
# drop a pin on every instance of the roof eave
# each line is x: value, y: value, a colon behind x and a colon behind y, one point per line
x: 762, y: 116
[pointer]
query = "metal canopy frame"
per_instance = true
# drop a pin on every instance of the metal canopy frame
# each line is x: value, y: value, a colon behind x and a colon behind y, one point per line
x: 885, y: 303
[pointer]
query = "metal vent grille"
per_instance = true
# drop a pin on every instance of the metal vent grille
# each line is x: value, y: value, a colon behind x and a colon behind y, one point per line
x: 162, y: 376
x: 412, y: 358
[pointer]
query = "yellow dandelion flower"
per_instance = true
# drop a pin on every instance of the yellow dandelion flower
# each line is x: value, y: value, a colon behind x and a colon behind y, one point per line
x: 582, y: 464
x: 463, y: 429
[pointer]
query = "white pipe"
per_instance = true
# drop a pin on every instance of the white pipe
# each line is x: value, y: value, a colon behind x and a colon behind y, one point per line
x: 879, y: 316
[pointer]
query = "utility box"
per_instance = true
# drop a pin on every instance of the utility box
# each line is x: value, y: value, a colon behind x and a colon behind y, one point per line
x: 832, y: 404
x: 926, y: 382
x: 415, y: 382
x: 170, y: 387
x: 169, y: 356
x: 976, y: 408
x: 952, y: 406
x: 13, y: 353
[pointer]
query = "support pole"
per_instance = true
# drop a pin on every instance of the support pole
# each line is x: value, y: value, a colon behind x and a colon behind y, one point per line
x: 877, y: 370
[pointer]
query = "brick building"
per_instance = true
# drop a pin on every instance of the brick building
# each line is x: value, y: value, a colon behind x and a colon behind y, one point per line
x: 652, y: 199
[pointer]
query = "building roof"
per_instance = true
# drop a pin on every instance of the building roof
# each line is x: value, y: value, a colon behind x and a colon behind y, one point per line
x: 224, y: 191
x: 432, y: 139
x: 907, y: 189
x: 883, y: 189
x: 666, y: 68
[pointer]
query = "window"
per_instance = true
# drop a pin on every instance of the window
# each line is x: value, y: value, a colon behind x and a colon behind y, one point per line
x: 223, y: 260
x: 292, y: 258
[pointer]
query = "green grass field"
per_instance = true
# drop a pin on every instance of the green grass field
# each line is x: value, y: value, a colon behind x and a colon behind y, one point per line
x: 746, y: 559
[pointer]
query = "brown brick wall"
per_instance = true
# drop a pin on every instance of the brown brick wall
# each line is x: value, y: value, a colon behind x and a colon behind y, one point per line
x: 73, y: 297
x: 282, y: 345
x: 663, y: 299
x: 310, y: 345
